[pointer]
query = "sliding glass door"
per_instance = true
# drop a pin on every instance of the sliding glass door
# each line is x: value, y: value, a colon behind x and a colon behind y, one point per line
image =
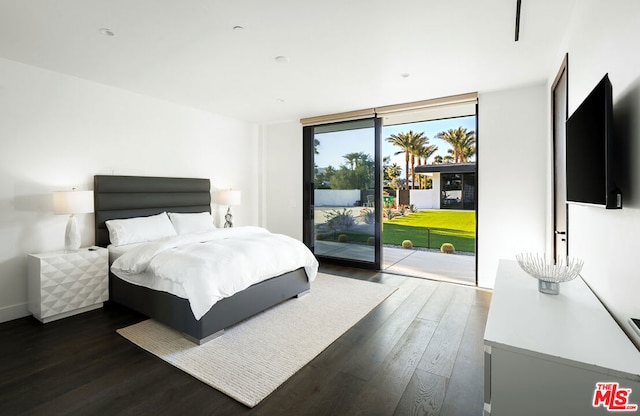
x: 342, y: 192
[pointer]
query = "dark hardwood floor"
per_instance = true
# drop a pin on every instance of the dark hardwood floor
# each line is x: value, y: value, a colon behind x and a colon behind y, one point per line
x: 418, y: 353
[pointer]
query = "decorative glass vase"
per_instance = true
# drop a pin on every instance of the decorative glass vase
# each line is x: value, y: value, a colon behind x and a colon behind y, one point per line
x: 549, y: 274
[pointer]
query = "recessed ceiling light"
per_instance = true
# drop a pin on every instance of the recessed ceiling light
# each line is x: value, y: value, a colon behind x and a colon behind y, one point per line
x: 106, y: 31
x: 281, y: 59
x: 238, y: 27
x: 405, y: 75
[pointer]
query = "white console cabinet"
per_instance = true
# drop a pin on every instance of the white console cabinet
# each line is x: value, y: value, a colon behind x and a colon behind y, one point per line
x: 545, y: 354
x: 66, y: 283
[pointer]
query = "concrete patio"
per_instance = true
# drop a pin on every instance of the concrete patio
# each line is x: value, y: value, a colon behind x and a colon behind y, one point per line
x: 458, y: 268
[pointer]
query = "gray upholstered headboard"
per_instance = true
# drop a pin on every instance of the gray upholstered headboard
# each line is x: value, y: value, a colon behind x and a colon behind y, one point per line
x: 117, y: 197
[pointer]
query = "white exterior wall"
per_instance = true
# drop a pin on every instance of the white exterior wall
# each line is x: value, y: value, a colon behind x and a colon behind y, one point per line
x: 337, y: 197
x: 425, y: 198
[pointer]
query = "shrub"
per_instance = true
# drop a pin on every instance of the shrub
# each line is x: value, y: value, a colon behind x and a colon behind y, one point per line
x: 320, y: 236
x: 407, y: 244
x: 447, y: 248
x: 343, y: 238
x: 368, y: 215
x: 337, y: 220
x: 371, y: 241
x: 389, y: 213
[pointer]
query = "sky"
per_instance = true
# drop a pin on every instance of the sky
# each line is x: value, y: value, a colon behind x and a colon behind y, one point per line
x: 334, y: 145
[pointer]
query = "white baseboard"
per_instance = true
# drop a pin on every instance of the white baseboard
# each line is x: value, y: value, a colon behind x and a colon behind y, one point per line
x: 9, y: 313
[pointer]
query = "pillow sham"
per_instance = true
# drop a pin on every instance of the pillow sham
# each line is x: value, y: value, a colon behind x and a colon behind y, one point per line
x: 140, y: 229
x: 187, y: 223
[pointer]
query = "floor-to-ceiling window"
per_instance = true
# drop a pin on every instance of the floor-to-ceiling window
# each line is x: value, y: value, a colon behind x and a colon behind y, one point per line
x: 345, y: 210
x: 342, y: 191
x: 436, y: 189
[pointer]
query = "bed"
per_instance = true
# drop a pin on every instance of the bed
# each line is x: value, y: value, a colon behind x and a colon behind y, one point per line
x: 122, y: 197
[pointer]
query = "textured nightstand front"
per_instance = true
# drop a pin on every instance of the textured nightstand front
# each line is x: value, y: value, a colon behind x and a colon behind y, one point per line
x: 63, y: 284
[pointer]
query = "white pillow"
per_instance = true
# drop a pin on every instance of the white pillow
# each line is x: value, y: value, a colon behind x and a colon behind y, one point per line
x: 140, y: 229
x: 192, y: 222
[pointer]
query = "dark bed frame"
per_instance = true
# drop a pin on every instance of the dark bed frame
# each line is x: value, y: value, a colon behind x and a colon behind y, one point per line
x: 119, y: 197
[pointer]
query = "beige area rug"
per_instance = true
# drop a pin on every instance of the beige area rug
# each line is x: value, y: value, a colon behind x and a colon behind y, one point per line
x: 251, y: 359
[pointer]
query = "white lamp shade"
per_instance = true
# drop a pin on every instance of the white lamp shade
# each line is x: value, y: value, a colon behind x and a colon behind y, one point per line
x: 228, y: 197
x: 73, y: 202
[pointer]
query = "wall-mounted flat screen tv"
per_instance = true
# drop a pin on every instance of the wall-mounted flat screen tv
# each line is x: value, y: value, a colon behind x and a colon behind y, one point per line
x: 590, y: 150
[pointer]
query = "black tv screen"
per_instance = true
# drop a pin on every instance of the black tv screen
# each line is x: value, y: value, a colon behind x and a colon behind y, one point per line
x: 589, y: 150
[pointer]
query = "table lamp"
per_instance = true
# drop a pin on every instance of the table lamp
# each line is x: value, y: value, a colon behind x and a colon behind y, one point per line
x: 72, y: 202
x: 228, y: 197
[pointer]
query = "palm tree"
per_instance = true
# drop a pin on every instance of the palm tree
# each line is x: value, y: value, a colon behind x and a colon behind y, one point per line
x: 394, y: 170
x: 437, y: 159
x: 424, y: 153
x: 463, y: 143
x: 355, y: 159
x: 416, y: 146
x: 351, y: 159
x: 469, y: 151
x: 406, y: 142
x: 447, y: 159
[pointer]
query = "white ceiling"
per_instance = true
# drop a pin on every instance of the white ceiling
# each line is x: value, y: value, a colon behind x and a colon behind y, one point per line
x: 343, y: 55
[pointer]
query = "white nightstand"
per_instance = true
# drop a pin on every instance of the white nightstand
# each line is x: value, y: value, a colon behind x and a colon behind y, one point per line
x: 62, y: 283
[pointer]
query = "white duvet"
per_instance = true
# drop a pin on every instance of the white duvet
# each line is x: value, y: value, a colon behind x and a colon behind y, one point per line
x: 214, y: 265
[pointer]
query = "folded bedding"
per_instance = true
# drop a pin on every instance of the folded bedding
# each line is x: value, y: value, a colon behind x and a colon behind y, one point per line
x: 209, y: 266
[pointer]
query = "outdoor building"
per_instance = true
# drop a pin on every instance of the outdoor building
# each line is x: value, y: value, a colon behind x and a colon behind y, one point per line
x: 457, y: 184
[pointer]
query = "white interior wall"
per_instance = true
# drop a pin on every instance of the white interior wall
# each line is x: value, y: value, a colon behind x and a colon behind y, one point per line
x: 602, y: 38
x: 512, y: 175
x: 283, y: 179
x: 58, y: 131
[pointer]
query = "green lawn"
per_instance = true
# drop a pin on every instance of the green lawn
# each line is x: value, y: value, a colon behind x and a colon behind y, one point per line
x: 432, y: 228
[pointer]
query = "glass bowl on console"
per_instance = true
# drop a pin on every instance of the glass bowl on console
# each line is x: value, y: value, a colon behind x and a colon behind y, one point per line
x: 549, y: 274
